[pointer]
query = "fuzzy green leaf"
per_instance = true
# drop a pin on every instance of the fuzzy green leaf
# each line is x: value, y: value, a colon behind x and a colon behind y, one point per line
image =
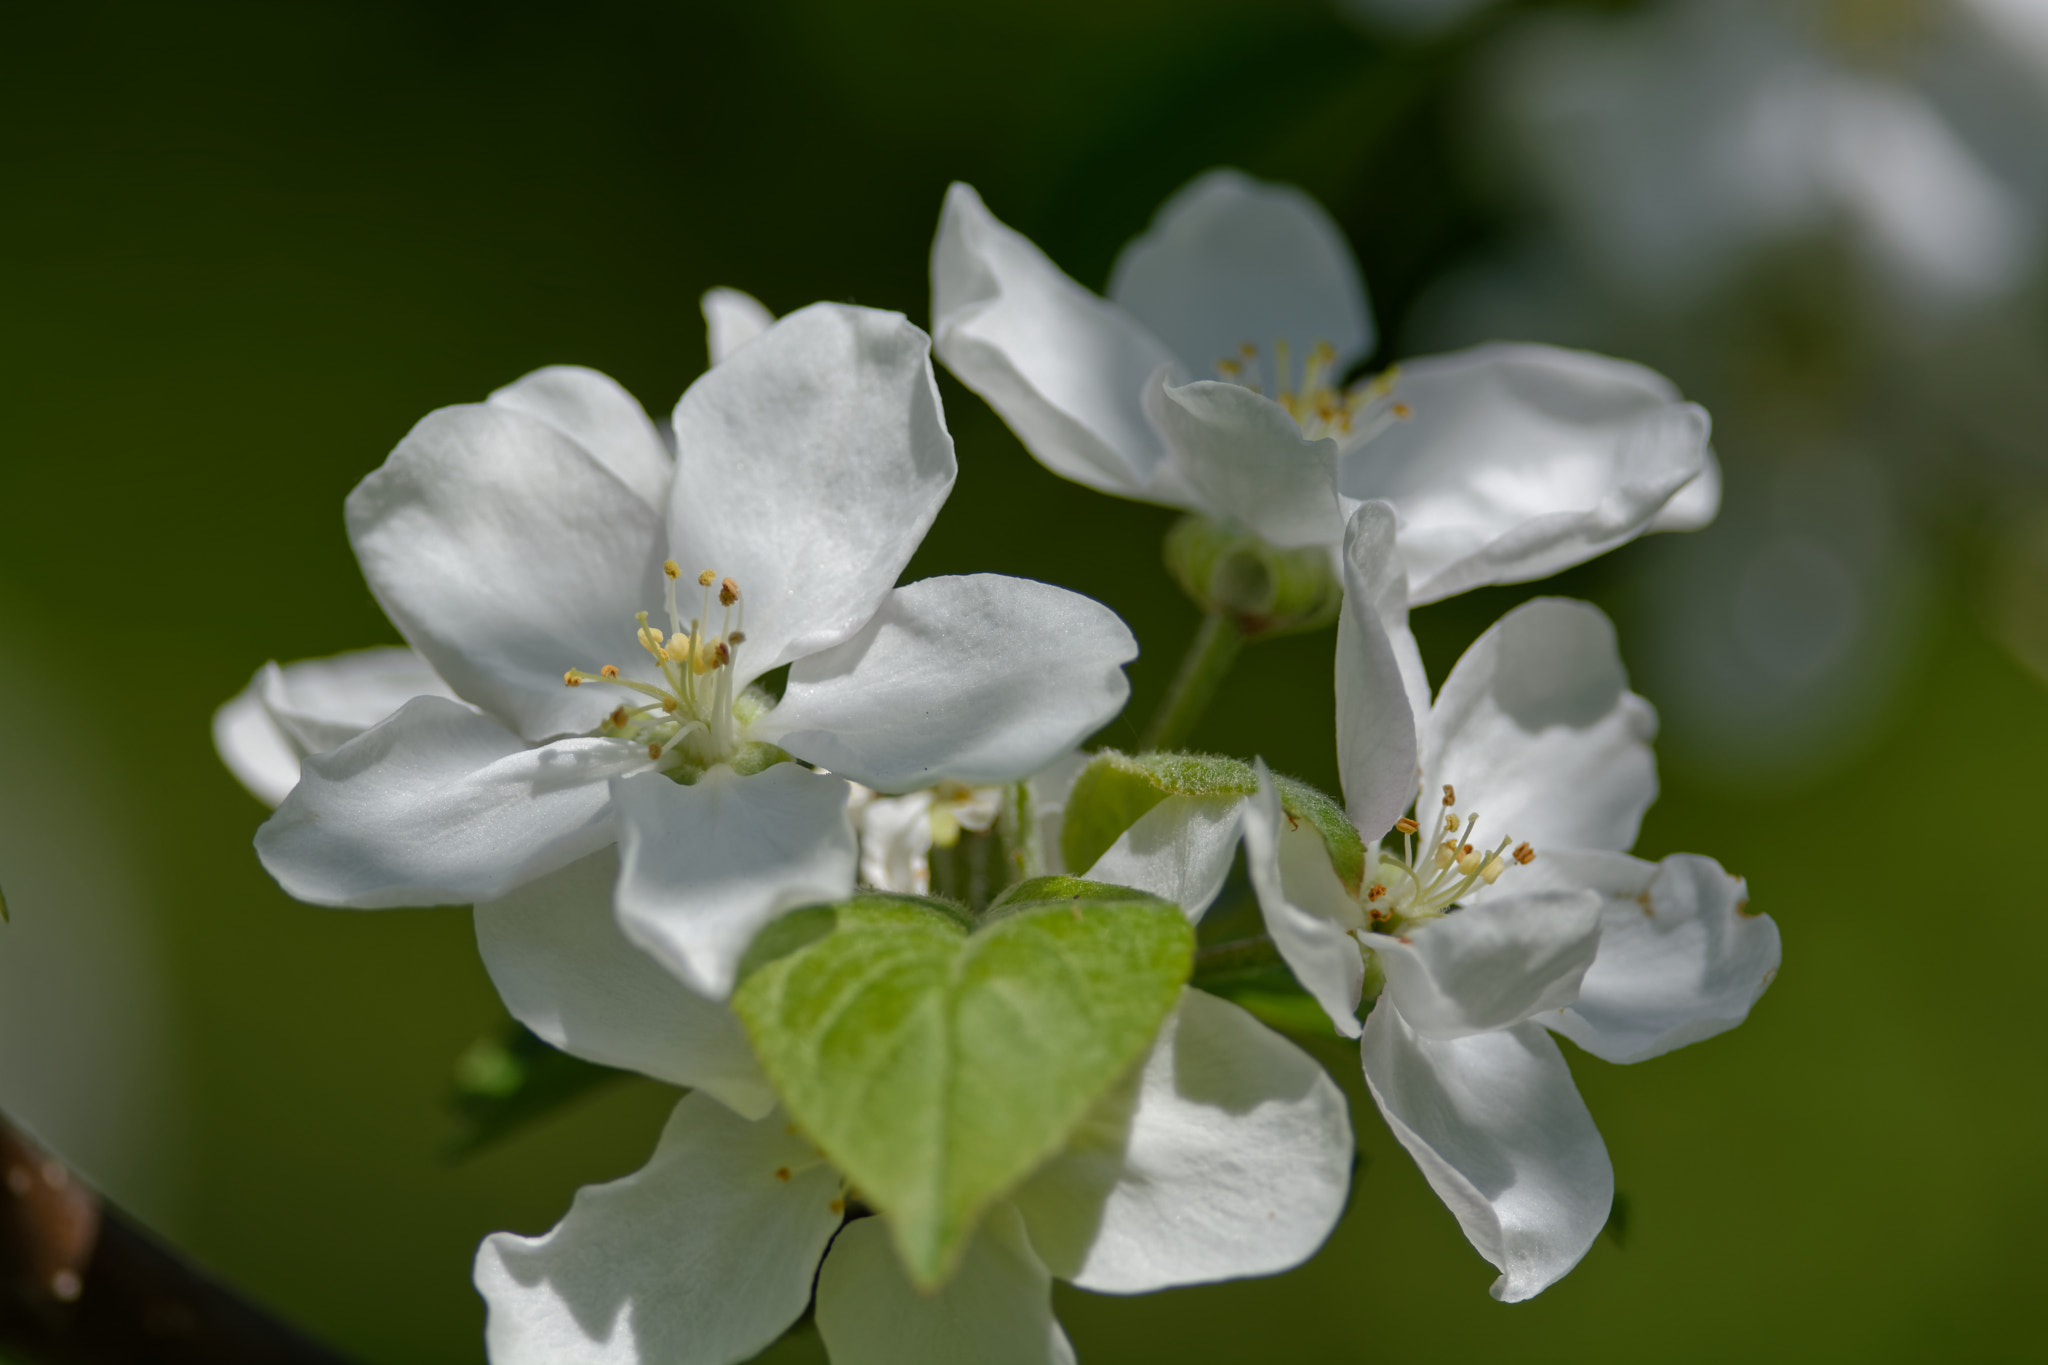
x: 1116, y: 789
x: 1301, y: 802
x: 937, y: 1068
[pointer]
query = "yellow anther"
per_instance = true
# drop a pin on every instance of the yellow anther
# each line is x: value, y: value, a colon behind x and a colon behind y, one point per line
x: 572, y: 679
x: 1378, y: 892
x: 654, y: 751
x: 1490, y: 873
x: 738, y: 637
x: 609, y: 672
x: 1446, y: 854
x: 728, y: 593
x: 669, y: 704
x: 707, y: 578
x: 650, y: 640
x: 1406, y: 826
x: 1450, y: 795
x: 1468, y: 861
x: 1451, y: 822
x: 618, y: 718
x: 1402, y: 411
x: 671, y: 568
x: 1524, y: 854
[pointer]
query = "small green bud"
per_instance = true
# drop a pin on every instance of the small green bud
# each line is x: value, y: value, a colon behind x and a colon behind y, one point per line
x: 1266, y: 590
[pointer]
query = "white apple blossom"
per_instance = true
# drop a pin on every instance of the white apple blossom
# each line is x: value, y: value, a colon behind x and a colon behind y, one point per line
x: 1506, y: 462
x: 1482, y: 946
x: 898, y: 833
x: 1226, y: 1154
x: 290, y: 711
x: 550, y: 527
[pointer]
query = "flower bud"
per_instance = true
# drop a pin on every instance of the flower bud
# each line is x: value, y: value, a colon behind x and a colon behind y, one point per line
x: 1267, y: 590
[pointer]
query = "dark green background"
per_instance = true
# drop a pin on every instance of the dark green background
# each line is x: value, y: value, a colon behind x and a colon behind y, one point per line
x: 244, y: 247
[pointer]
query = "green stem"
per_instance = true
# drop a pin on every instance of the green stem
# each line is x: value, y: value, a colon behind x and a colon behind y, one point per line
x: 1208, y: 659
x: 1238, y: 955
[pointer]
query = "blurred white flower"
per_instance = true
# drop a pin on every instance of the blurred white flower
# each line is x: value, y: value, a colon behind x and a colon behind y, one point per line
x: 1506, y: 462
x: 507, y: 538
x: 1676, y: 139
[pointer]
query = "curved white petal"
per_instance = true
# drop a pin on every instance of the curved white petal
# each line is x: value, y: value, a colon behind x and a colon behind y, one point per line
x: 1063, y: 367
x: 895, y: 841
x: 563, y: 968
x: 312, y: 706
x: 981, y: 678
x: 1180, y: 851
x: 702, y: 1257
x: 732, y: 318
x: 996, y: 1310
x: 1680, y: 961
x: 1246, y: 459
x: 1229, y: 260
x: 506, y: 553
x: 597, y: 413
x: 1493, y: 964
x: 1502, y: 1136
x: 704, y: 868
x: 1381, y: 691
x: 1519, y: 461
x: 1538, y: 732
x: 254, y: 746
x: 1304, y: 905
x: 440, y: 806
x: 809, y: 464
x: 1696, y: 504
x: 1228, y: 1154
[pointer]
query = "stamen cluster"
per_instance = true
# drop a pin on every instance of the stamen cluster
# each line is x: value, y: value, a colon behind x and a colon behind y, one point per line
x: 1321, y: 406
x: 1406, y: 888
x: 692, y: 715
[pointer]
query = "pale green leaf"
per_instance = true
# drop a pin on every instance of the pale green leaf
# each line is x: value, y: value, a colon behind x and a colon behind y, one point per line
x: 937, y: 1068
x: 1115, y: 789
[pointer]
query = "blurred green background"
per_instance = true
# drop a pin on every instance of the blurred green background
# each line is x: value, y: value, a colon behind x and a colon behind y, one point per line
x: 246, y: 246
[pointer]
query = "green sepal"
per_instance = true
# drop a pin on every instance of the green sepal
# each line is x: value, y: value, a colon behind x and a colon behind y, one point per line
x: 507, y: 1080
x: 1115, y: 790
x: 936, y: 1068
x: 1266, y: 590
x: 1301, y: 802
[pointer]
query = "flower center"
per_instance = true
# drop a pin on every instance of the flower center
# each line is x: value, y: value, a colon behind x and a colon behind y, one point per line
x: 1321, y: 406
x: 1420, y: 884
x: 692, y: 718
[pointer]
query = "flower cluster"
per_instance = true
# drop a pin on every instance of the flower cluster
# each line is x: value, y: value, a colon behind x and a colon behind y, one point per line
x: 737, y: 811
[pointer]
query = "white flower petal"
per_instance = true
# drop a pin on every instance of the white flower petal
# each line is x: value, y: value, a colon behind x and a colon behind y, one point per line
x: 809, y: 464
x: 1227, y: 1154
x: 980, y: 678
x: 254, y: 746
x: 1304, y: 905
x: 1049, y: 788
x: 1381, y: 690
x: 1519, y: 461
x: 996, y: 1310
x: 1229, y: 260
x: 702, y: 1257
x: 1493, y: 964
x: 1502, y: 1136
x: 704, y: 868
x: 1246, y: 459
x: 506, y: 553
x: 1180, y: 851
x: 312, y: 706
x: 1696, y: 504
x: 563, y: 968
x: 440, y: 806
x: 1682, y: 960
x: 895, y: 841
x: 597, y: 413
x: 1063, y: 367
x: 732, y: 318
x: 1539, y: 734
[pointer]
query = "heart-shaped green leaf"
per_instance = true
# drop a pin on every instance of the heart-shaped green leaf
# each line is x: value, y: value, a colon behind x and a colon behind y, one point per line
x: 937, y: 1068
